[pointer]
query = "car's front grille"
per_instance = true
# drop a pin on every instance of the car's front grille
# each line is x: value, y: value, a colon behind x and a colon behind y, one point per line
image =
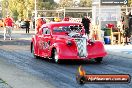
x: 81, y: 46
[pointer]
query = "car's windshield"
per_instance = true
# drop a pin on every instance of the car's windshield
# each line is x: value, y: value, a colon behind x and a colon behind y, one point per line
x: 61, y: 29
x: 70, y: 28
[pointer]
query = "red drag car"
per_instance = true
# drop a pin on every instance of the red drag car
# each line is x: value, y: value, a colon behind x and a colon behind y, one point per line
x: 64, y: 40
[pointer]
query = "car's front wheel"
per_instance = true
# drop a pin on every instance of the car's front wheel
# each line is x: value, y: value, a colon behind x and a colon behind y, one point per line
x: 99, y: 59
x: 55, y: 56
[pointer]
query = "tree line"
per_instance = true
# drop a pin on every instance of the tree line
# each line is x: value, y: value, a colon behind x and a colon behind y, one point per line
x: 25, y: 8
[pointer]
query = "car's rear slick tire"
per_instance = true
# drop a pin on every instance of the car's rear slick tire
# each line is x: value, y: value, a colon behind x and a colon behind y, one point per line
x: 36, y: 57
x: 99, y: 59
x: 55, y: 56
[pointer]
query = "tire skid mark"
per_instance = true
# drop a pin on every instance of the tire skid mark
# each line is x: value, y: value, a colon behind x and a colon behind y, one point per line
x: 64, y: 70
x: 66, y: 76
x: 61, y: 70
x: 121, y: 61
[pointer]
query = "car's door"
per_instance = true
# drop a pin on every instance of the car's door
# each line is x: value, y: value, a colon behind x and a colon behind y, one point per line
x: 46, y: 40
x: 40, y: 42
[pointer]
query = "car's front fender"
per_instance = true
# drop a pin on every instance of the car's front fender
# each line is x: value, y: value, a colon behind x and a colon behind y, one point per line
x: 96, y: 50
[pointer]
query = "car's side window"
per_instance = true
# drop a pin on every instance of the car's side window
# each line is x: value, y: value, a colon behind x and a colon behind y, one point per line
x: 46, y: 31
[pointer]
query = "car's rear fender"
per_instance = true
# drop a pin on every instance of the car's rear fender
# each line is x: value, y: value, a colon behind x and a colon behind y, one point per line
x: 56, y: 46
x: 63, y: 49
x: 34, y: 44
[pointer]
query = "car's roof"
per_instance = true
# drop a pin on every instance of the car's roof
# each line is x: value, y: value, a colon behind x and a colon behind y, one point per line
x: 64, y: 22
x: 61, y: 23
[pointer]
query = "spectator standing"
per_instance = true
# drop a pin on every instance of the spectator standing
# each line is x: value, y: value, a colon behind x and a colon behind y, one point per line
x: 40, y: 22
x: 125, y: 27
x: 131, y: 39
x: 86, y: 23
x: 8, y: 26
x: 27, y: 25
x: 130, y: 23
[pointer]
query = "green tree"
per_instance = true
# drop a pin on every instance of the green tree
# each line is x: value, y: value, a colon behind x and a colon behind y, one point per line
x: 13, y: 8
x: 46, y: 4
x: 24, y: 8
x: 4, y: 8
x: 129, y: 2
x: 66, y: 3
x: 85, y: 3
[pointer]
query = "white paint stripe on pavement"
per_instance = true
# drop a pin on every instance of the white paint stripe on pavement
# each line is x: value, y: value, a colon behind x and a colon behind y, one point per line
x: 23, y: 38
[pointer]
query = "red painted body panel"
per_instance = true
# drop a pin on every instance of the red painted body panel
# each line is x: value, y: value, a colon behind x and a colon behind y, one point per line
x: 96, y: 50
x: 43, y: 44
